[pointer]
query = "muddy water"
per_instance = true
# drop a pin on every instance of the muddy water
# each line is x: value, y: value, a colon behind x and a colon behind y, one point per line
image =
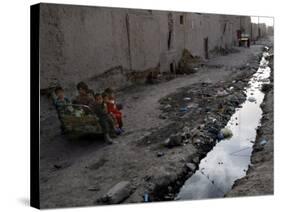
x: 230, y: 158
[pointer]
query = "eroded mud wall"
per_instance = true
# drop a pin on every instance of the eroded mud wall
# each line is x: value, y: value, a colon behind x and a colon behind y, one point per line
x: 79, y: 43
x: 116, y: 47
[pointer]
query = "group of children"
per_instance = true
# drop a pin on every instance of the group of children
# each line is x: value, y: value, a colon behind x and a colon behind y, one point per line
x: 103, y: 105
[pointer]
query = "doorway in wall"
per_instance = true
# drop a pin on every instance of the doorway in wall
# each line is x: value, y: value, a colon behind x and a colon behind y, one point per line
x: 172, y: 69
x: 206, y: 48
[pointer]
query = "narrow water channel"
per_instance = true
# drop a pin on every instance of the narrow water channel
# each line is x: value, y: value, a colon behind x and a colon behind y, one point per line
x: 230, y: 158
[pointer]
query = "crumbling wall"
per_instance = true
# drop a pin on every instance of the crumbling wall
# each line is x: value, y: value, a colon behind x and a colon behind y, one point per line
x: 117, y: 47
x: 255, y: 32
x: 93, y: 43
x: 220, y: 30
x: 246, y: 24
x: 270, y: 30
x: 212, y: 30
x: 229, y: 26
x: 194, y: 34
x: 144, y: 33
x: 263, y: 29
x: 260, y: 30
x: 77, y: 43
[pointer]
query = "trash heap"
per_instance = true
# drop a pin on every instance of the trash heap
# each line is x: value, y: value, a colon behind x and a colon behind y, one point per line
x: 199, y: 114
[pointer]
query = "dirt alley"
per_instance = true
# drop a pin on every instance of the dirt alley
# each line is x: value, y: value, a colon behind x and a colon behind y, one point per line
x: 79, y: 173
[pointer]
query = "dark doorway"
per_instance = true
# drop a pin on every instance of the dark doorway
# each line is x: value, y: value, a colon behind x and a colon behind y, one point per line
x: 206, y: 48
x: 169, y: 39
x: 181, y: 19
x: 172, y: 68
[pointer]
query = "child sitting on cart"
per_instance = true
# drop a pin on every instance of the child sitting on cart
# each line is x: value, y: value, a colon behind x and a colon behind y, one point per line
x: 113, y: 111
x: 105, y: 120
x: 83, y: 97
x: 61, y: 102
x: 112, y: 98
x: 62, y: 105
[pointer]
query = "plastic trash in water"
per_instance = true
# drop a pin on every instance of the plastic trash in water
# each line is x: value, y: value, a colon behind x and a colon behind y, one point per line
x: 183, y: 109
x: 220, y: 136
x: 230, y: 88
x: 263, y: 142
x: 222, y: 93
x: 251, y: 99
x: 146, y: 197
x: 167, y: 106
x: 226, y: 132
x: 193, y: 105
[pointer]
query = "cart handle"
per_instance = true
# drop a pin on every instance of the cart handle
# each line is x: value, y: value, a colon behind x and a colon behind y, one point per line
x: 79, y: 105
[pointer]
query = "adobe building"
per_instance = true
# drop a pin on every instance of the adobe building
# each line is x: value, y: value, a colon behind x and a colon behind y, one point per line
x: 113, y: 46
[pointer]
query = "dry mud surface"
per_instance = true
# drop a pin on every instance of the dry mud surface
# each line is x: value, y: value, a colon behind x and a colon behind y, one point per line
x: 80, y: 173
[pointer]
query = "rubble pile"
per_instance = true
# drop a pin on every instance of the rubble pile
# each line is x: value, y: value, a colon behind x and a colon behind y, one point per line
x: 187, y: 63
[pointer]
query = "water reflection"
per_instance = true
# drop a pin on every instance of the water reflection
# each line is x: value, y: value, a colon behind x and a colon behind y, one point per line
x: 229, y: 159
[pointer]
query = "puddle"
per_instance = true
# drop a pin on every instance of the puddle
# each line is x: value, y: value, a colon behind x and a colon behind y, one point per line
x: 229, y: 159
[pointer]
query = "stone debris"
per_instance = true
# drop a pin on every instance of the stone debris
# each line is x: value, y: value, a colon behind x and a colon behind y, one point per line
x: 267, y: 87
x: 196, y: 160
x: 174, y: 140
x: 162, y: 116
x: 222, y: 93
x: 117, y: 193
x: 160, y: 154
x: 190, y: 166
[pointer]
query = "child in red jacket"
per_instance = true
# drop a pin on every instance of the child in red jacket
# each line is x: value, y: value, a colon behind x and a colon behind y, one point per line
x: 112, y: 108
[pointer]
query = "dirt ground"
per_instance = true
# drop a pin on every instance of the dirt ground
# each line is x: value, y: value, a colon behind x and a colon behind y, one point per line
x: 79, y: 173
x: 260, y: 175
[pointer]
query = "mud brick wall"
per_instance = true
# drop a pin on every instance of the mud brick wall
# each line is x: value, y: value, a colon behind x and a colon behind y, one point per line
x: 113, y: 46
x: 78, y: 43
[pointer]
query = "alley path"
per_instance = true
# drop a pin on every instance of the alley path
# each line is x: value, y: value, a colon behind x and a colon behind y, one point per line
x: 90, y: 170
x: 141, y: 107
